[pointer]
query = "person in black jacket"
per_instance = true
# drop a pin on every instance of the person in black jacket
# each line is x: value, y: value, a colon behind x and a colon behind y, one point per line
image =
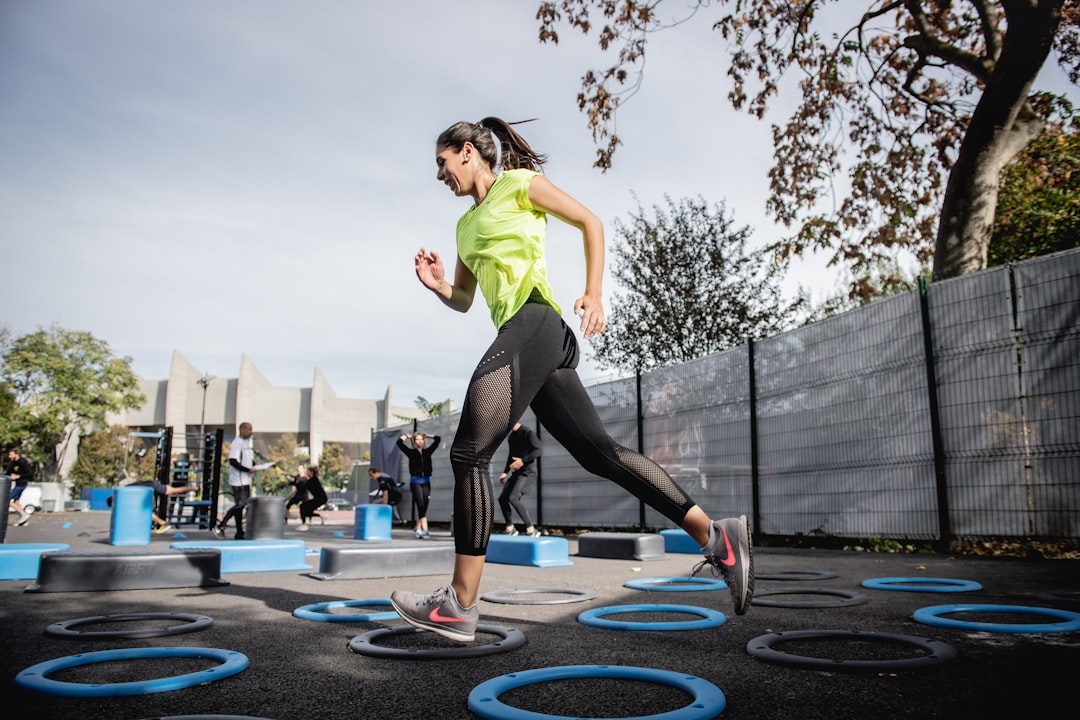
x: 516, y: 476
x: 300, y: 493
x: 21, y: 473
x: 419, y: 475
x: 316, y: 498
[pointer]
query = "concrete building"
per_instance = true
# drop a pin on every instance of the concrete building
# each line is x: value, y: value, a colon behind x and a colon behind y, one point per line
x: 315, y: 415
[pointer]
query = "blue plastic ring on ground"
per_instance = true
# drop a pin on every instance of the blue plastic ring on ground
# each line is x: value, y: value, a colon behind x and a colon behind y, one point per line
x: 676, y: 584
x: 315, y: 611
x: 708, y: 702
x: 930, y: 616
x: 921, y: 584
x: 36, y: 677
x: 709, y: 618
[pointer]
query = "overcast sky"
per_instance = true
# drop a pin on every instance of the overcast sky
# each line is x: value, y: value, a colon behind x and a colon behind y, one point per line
x: 255, y: 176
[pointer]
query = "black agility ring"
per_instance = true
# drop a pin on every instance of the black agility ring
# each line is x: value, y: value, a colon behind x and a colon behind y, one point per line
x: 796, y: 575
x: 1069, y: 597
x: 848, y: 598
x: 921, y: 584
x: 708, y: 700
x: 500, y: 596
x: 931, y: 616
x: 36, y: 677
x: 763, y: 648
x: 191, y: 624
x: 364, y: 644
x: 676, y: 584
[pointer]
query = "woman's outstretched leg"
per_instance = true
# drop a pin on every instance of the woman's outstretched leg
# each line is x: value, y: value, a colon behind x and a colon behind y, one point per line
x: 565, y: 409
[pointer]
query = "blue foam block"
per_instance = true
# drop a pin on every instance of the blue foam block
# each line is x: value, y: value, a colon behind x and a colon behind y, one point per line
x: 20, y: 561
x: 525, y: 550
x: 239, y: 556
x: 679, y: 541
x: 372, y: 522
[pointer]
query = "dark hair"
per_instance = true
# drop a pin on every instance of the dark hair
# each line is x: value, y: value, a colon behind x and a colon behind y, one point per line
x: 514, y: 151
x: 314, y: 470
x: 373, y: 469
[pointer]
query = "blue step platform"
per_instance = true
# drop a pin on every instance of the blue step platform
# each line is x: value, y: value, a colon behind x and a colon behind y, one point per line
x: 380, y: 560
x: 78, y: 570
x: 524, y: 550
x: 679, y: 541
x: 20, y: 561
x: 621, y: 546
x: 372, y: 522
x: 239, y: 556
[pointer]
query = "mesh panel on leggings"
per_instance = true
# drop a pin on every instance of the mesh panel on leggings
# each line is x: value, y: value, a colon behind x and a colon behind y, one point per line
x: 489, y: 401
x: 652, y: 473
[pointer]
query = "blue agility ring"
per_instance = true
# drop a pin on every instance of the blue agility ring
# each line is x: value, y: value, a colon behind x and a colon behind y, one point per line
x: 676, y: 584
x: 930, y: 616
x: 315, y: 611
x: 709, y: 618
x: 36, y: 677
x: 921, y: 584
x: 708, y: 700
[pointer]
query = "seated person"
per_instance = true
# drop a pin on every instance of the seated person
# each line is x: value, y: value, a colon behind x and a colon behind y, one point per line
x: 387, y: 493
x: 160, y: 490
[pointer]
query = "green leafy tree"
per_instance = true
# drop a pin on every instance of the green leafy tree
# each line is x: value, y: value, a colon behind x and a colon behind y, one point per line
x: 63, y: 382
x: 921, y: 104
x: 431, y: 409
x: 334, y: 466
x: 284, y: 452
x: 106, y: 457
x: 1039, y: 205
x: 690, y: 287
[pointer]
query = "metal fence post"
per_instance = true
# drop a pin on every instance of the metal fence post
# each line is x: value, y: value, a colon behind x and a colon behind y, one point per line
x: 944, y: 523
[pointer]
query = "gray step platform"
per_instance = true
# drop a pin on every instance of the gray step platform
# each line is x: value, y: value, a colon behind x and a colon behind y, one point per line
x: 621, y: 546
x: 379, y: 560
x: 73, y: 571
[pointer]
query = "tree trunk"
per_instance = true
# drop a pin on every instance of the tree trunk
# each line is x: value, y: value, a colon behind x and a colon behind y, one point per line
x: 1001, y: 126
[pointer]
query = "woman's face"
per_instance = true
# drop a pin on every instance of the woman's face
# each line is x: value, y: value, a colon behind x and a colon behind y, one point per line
x: 452, y: 165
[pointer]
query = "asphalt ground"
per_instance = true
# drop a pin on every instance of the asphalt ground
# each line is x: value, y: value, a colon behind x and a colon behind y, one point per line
x: 302, y: 669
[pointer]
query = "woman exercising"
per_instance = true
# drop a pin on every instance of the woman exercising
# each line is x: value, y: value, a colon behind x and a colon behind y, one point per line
x: 532, y: 363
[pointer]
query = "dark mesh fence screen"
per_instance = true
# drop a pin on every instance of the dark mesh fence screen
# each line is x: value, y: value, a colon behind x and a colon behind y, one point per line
x: 845, y: 445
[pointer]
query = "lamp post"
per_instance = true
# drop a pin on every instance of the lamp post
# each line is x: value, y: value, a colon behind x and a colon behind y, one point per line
x: 204, y: 382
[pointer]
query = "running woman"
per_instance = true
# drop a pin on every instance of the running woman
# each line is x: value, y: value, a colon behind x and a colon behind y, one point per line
x: 532, y: 363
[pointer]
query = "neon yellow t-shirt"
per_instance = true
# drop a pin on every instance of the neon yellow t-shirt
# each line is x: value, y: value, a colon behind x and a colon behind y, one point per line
x: 501, y: 241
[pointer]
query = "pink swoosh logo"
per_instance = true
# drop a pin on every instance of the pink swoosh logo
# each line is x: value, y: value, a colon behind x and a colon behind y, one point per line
x: 434, y: 616
x: 730, y: 559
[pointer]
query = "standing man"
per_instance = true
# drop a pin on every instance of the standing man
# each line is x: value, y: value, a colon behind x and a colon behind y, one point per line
x: 524, y: 449
x: 241, y: 473
x: 419, y: 475
x: 21, y: 473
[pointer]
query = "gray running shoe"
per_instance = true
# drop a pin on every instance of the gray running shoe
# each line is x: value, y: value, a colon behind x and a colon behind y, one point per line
x: 438, y: 612
x: 219, y: 532
x: 23, y: 518
x: 731, y: 557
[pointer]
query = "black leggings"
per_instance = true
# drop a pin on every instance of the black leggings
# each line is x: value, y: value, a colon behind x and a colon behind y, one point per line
x: 421, y: 496
x: 517, y: 484
x: 532, y: 364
